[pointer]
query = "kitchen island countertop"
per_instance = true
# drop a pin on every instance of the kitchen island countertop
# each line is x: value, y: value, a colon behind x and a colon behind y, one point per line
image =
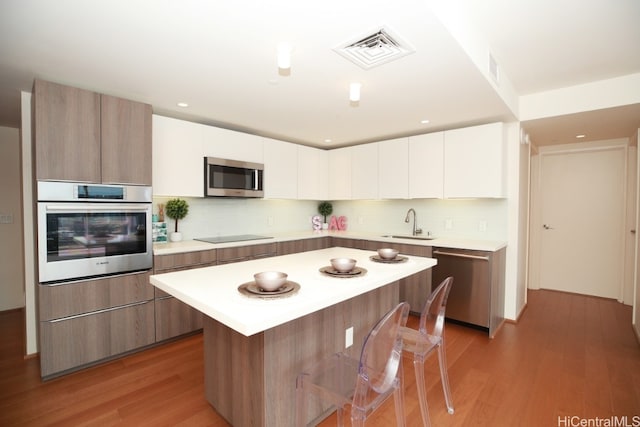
x: 214, y: 290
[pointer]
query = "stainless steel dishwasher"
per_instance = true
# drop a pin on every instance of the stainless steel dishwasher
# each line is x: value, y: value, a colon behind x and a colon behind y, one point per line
x: 470, y: 296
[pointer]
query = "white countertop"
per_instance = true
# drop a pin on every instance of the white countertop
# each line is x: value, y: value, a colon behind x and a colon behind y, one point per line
x: 453, y: 243
x: 214, y: 290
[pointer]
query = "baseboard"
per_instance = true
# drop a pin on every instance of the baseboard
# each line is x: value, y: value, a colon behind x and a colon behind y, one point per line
x: 517, y: 319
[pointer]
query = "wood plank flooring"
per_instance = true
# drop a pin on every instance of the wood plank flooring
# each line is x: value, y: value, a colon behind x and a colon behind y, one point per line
x: 570, y: 355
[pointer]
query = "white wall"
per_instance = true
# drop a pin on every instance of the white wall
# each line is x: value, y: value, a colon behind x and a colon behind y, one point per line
x: 28, y: 226
x: 636, y: 303
x: 11, y: 273
x: 518, y: 155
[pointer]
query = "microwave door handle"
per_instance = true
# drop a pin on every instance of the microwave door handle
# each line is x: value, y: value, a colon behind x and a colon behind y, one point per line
x: 255, y: 179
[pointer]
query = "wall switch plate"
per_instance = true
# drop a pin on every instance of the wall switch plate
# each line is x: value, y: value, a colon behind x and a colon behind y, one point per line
x: 482, y: 226
x: 448, y: 224
x: 348, y: 337
x: 6, y: 219
x: 270, y: 221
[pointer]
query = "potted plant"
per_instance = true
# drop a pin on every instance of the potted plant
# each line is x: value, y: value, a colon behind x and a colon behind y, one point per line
x: 176, y: 209
x: 325, y: 209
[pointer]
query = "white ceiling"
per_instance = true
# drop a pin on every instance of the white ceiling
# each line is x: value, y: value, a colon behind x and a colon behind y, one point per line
x: 220, y: 57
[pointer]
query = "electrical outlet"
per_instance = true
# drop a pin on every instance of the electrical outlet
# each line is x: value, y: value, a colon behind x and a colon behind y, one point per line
x: 483, y: 226
x: 270, y: 221
x: 448, y: 224
x: 348, y: 337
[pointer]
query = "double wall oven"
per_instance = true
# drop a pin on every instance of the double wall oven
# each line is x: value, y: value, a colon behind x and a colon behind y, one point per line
x: 92, y: 230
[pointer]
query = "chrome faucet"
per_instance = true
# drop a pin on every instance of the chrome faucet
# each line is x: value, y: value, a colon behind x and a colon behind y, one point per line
x: 416, y: 231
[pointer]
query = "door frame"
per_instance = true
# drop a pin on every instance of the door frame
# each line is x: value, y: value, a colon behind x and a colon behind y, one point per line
x: 535, y: 225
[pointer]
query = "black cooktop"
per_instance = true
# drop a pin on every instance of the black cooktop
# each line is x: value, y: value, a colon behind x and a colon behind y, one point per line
x: 226, y: 239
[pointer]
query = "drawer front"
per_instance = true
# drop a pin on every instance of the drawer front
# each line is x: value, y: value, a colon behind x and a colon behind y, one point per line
x: 85, y: 296
x: 76, y: 341
x: 303, y: 245
x: 186, y: 259
x: 244, y: 253
x: 174, y: 318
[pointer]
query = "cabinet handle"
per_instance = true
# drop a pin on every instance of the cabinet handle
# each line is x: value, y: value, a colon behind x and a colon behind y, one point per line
x: 230, y: 260
x: 87, y: 279
x: 266, y: 255
x: 104, y: 310
x: 483, y: 258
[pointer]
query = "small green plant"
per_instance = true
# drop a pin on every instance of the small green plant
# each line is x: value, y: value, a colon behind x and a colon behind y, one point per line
x: 176, y: 209
x: 325, y: 209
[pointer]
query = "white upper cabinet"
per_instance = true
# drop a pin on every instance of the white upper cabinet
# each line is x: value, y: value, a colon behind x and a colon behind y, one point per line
x: 229, y: 144
x: 280, y: 169
x: 393, y: 164
x: 312, y: 173
x: 474, y: 162
x: 339, y: 173
x: 364, y: 171
x: 426, y: 166
x: 178, y: 165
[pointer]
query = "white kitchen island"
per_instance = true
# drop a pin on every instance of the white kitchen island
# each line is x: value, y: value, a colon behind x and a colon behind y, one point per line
x: 254, y: 347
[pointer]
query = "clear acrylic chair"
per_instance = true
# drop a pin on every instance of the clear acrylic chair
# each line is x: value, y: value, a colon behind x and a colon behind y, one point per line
x: 365, y: 384
x: 429, y: 337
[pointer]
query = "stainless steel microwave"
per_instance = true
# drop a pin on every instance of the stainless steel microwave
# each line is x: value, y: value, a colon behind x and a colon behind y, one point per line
x: 233, y: 178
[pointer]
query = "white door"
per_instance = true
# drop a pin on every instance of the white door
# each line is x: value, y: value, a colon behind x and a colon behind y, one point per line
x: 582, y: 215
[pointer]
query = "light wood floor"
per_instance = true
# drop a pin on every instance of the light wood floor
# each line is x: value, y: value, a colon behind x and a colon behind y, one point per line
x: 569, y: 355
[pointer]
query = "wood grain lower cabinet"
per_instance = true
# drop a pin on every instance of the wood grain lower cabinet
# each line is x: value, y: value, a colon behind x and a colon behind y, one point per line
x: 73, y: 342
x: 414, y: 289
x: 173, y: 317
x: 303, y: 245
x: 161, y: 263
x: 85, y: 322
x: 246, y: 253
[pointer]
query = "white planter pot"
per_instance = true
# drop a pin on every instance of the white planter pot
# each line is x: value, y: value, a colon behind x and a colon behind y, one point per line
x: 325, y: 226
x: 176, y: 237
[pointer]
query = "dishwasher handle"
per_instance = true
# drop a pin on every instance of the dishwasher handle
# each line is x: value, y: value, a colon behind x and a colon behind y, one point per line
x: 459, y: 255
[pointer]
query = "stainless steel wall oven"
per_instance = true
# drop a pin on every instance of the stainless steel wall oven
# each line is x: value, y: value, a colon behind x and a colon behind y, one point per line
x: 89, y: 230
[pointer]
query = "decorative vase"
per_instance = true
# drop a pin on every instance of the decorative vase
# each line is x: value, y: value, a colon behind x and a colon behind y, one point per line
x: 176, y: 237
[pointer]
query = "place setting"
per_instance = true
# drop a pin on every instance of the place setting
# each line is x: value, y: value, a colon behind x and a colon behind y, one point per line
x: 269, y: 284
x: 388, y: 256
x: 343, y: 268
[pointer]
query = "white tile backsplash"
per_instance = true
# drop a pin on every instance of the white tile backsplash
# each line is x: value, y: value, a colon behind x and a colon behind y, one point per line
x: 210, y: 217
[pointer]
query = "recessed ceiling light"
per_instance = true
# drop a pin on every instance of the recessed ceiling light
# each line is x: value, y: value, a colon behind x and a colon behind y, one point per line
x: 580, y: 136
x: 183, y: 104
x: 327, y: 140
x: 354, y: 92
x: 284, y: 56
x: 424, y: 122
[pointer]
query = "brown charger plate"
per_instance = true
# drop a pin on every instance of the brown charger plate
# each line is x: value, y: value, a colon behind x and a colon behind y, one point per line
x: 332, y: 272
x: 398, y: 259
x: 251, y: 289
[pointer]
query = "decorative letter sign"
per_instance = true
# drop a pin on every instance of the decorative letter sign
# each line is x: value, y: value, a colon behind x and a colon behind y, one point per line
x: 316, y: 221
x: 338, y: 223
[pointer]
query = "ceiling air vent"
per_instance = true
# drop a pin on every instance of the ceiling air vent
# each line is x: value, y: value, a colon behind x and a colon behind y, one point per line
x: 375, y: 49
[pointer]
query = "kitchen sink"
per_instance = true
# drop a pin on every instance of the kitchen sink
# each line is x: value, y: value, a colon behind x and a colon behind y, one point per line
x: 394, y: 236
